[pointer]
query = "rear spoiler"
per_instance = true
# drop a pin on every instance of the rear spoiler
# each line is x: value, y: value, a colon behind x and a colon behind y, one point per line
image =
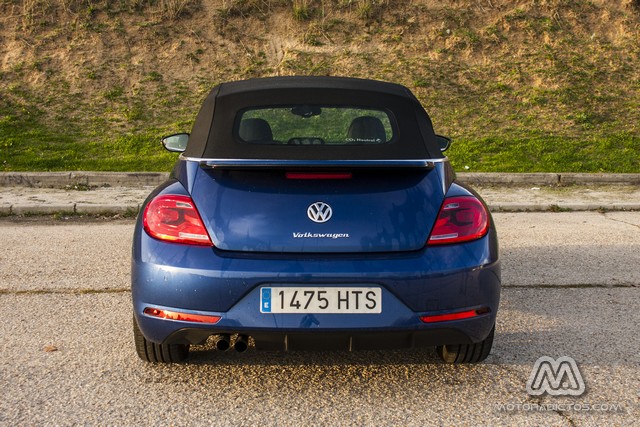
x: 323, y: 164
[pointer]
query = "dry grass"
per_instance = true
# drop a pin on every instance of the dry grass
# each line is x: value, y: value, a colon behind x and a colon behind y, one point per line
x: 35, y: 14
x: 174, y: 9
x: 488, y: 71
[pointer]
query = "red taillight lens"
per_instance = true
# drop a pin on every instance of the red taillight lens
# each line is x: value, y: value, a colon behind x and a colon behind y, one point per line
x: 455, y: 316
x: 460, y: 219
x: 174, y: 218
x: 184, y: 317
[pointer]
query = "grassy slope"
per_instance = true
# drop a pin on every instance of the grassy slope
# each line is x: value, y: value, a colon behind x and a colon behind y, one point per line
x: 543, y: 85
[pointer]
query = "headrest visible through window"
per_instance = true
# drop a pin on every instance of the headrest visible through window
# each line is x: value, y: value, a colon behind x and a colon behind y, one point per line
x: 367, y: 130
x: 252, y: 130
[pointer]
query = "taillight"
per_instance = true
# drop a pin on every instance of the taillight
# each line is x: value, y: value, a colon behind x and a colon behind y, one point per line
x: 461, y: 219
x: 174, y: 218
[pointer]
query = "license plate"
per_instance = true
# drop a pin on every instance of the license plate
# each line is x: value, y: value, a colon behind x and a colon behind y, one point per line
x: 321, y: 300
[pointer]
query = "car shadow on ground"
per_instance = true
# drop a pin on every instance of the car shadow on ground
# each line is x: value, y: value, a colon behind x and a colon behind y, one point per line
x: 208, y: 355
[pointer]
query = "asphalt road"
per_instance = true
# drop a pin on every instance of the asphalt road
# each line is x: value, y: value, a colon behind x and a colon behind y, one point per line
x: 572, y: 288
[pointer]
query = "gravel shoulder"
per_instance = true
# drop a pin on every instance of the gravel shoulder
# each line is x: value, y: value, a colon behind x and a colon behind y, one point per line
x: 571, y: 288
x: 94, y: 376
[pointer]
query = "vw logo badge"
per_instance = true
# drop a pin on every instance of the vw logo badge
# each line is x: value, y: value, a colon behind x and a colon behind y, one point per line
x: 319, y: 212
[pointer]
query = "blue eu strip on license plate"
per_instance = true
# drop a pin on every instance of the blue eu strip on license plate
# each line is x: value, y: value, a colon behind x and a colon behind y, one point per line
x: 317, y: 300
x: 265, y: 300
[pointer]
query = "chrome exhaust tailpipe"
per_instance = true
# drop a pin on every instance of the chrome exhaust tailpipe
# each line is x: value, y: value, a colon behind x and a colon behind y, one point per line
x: 242, y: 343
x: 223, y: 343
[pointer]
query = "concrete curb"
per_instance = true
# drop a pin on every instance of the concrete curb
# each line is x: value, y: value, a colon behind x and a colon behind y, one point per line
x: 133, y: 209
x: 90, y: 209
x: 562, y: 207
x: 141, y: 179
x: 481, y: 178
x: 97, y: 179
x: 549, y: 179
x: 69, y: 209
x: 33, y: 209
x: 600, y: 178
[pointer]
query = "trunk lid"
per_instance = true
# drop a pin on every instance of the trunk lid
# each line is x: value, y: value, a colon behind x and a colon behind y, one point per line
x: 359, y: 211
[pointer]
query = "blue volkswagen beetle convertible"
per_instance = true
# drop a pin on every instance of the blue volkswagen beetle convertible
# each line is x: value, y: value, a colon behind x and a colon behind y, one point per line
x: 313, y: 213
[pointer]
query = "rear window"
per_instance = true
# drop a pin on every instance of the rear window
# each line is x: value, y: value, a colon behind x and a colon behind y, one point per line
x: 315, y: 125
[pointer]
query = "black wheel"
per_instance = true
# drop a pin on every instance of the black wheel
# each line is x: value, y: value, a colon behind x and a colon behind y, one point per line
x: 466, y: 353
x: 158, y: 353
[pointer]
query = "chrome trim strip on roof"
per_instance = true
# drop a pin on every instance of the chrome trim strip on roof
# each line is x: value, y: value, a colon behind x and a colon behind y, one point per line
x: 213, y: 163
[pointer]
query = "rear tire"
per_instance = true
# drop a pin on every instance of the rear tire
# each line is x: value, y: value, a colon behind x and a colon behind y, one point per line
x: 158, y: 353
x: 466, y: 353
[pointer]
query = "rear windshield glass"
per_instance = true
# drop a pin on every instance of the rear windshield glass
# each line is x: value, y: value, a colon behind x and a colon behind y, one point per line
x: 315, y: 125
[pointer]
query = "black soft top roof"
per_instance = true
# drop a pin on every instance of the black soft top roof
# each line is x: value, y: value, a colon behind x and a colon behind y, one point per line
x: 214, y: 133
x: 314, y: 82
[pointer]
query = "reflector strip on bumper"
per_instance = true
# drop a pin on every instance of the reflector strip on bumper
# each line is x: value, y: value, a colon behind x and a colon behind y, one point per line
x: 455, y: 316
x: 184, y: 317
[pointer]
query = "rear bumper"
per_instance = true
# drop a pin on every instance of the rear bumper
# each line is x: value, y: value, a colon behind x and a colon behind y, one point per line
x: 200, y: 280
x: 397, y: 326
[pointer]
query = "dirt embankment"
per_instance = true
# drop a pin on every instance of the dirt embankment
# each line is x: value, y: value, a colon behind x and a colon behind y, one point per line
x: 488, y: 64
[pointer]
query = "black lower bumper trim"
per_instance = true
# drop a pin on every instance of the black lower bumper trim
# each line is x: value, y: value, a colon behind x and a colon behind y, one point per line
x: 335, y: 341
